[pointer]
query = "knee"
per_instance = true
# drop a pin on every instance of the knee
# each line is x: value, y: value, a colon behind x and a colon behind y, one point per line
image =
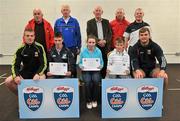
x: 42, y: 77
x: 9, y: 81
x: 166, y: 79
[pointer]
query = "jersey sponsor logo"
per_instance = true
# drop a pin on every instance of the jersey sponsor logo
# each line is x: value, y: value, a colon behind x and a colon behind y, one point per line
x: 25, y: 55
x: 147, y: 96
x: 141, y: 52
x: 116, y: 96
x: 133, y: 30
x: 64, y: 56
x: 149, y: 52
x: 53, y: 56
x: 36, y: 54
x: 63, y: 96
x: 33, y: 97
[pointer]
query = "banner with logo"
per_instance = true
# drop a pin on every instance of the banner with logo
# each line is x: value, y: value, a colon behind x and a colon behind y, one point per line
x: 132, y: 98
x: 49, y: 98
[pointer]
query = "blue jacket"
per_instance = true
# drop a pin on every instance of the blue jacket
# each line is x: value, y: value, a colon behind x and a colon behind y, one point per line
x: 70, y: 31
x: 95, y: 54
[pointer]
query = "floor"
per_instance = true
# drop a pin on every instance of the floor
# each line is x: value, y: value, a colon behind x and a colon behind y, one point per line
x: 171, y: 111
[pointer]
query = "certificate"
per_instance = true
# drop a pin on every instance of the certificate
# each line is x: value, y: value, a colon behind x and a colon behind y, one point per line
x: 58, y: 68
x: 91, y: 64
x: 119, y: 67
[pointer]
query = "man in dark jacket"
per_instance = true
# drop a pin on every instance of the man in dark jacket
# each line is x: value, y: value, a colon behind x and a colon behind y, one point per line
x: 29, y: 62
x: 100, y: 28
x: 143, y: 58
x: 60, y: 54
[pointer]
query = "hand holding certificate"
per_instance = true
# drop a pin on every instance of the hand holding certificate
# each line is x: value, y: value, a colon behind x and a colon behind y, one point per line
x: 120, y: 67
x: 58, y: 68
x: 91, y: 64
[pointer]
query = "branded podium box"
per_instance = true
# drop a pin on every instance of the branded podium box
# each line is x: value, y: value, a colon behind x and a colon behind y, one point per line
x: 49, y: 98
x: 132, y: 98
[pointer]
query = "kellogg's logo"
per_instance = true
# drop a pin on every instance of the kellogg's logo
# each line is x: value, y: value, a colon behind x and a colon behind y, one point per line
x: 33, y: 97
x: 147, y: 96
x: 116, y: 96
x: 63, y: 96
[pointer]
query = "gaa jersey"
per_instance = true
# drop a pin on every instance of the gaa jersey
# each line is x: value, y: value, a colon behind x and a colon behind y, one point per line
x: 132, y: 32
x: 144, y: 57
x: 29, y: 59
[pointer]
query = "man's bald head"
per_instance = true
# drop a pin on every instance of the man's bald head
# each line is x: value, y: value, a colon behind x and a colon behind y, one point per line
x: 120, y: 13
x: 98, y: 11
x: 38, y: 15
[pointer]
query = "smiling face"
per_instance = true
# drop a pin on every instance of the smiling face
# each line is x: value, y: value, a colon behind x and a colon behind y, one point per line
x: 139, y: 15
x: 144, y: 37
x: 29, y: 37
x: 98, y: 12
x: 58, y: 41
x: 120, y: 13
x: 91, y: 43
x: 38, y: 16
x: 65, y: 10
x: 119, y: 47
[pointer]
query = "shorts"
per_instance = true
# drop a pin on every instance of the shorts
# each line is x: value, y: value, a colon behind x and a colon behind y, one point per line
x: 27, y: 75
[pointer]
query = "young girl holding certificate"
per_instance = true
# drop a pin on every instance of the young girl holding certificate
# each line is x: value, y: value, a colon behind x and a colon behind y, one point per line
x: 91, y: 63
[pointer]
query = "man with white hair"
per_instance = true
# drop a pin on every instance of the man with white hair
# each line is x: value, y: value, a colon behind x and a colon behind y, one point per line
x: 70, y: 29
x: 44, y: 33
x: 100, y: 28
x: 118, y: 25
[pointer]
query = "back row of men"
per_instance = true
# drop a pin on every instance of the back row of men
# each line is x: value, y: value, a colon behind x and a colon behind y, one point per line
x: 101, y: 28
x: 102, y: 38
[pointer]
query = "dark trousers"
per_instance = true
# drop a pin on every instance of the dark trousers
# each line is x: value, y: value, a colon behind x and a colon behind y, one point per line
x: 74, y: 51
x: 91, y: 79
x: 103, y: 71
x: 104, y: 56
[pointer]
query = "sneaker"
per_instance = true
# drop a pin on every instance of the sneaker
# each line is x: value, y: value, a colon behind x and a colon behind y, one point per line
x: 89, y: 105
x: 94, y: 104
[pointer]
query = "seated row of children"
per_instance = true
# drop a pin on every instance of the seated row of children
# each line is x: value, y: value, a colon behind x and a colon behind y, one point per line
x: 30, y: 62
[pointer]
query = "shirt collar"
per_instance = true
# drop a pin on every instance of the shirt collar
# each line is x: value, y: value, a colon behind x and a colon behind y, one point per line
x: 119, y: 53
x: 67, y: 19
x: 98, y: 20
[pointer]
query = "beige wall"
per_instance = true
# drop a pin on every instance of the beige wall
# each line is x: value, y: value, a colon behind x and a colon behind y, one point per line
x: 162, y: 15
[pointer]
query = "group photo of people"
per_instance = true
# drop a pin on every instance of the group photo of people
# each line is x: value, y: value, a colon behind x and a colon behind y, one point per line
x: 123, y: 49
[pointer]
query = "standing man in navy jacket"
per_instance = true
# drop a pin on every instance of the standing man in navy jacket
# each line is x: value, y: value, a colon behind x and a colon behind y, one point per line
x: 100, y: 28
x: 69, y: 27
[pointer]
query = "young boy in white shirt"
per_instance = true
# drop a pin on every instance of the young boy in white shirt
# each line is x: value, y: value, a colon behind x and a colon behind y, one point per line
x: 118, y: 65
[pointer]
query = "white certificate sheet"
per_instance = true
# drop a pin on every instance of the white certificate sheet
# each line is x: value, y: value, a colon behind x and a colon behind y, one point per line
x: 58, y: 68
x: 91, y: 64
x: 120, y: 67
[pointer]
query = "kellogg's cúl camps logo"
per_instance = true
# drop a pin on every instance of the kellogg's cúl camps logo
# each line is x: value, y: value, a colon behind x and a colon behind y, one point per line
x: 116, y: 96
x: 147, y: 96
x: 33, y: 97
x: 63, y: 96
